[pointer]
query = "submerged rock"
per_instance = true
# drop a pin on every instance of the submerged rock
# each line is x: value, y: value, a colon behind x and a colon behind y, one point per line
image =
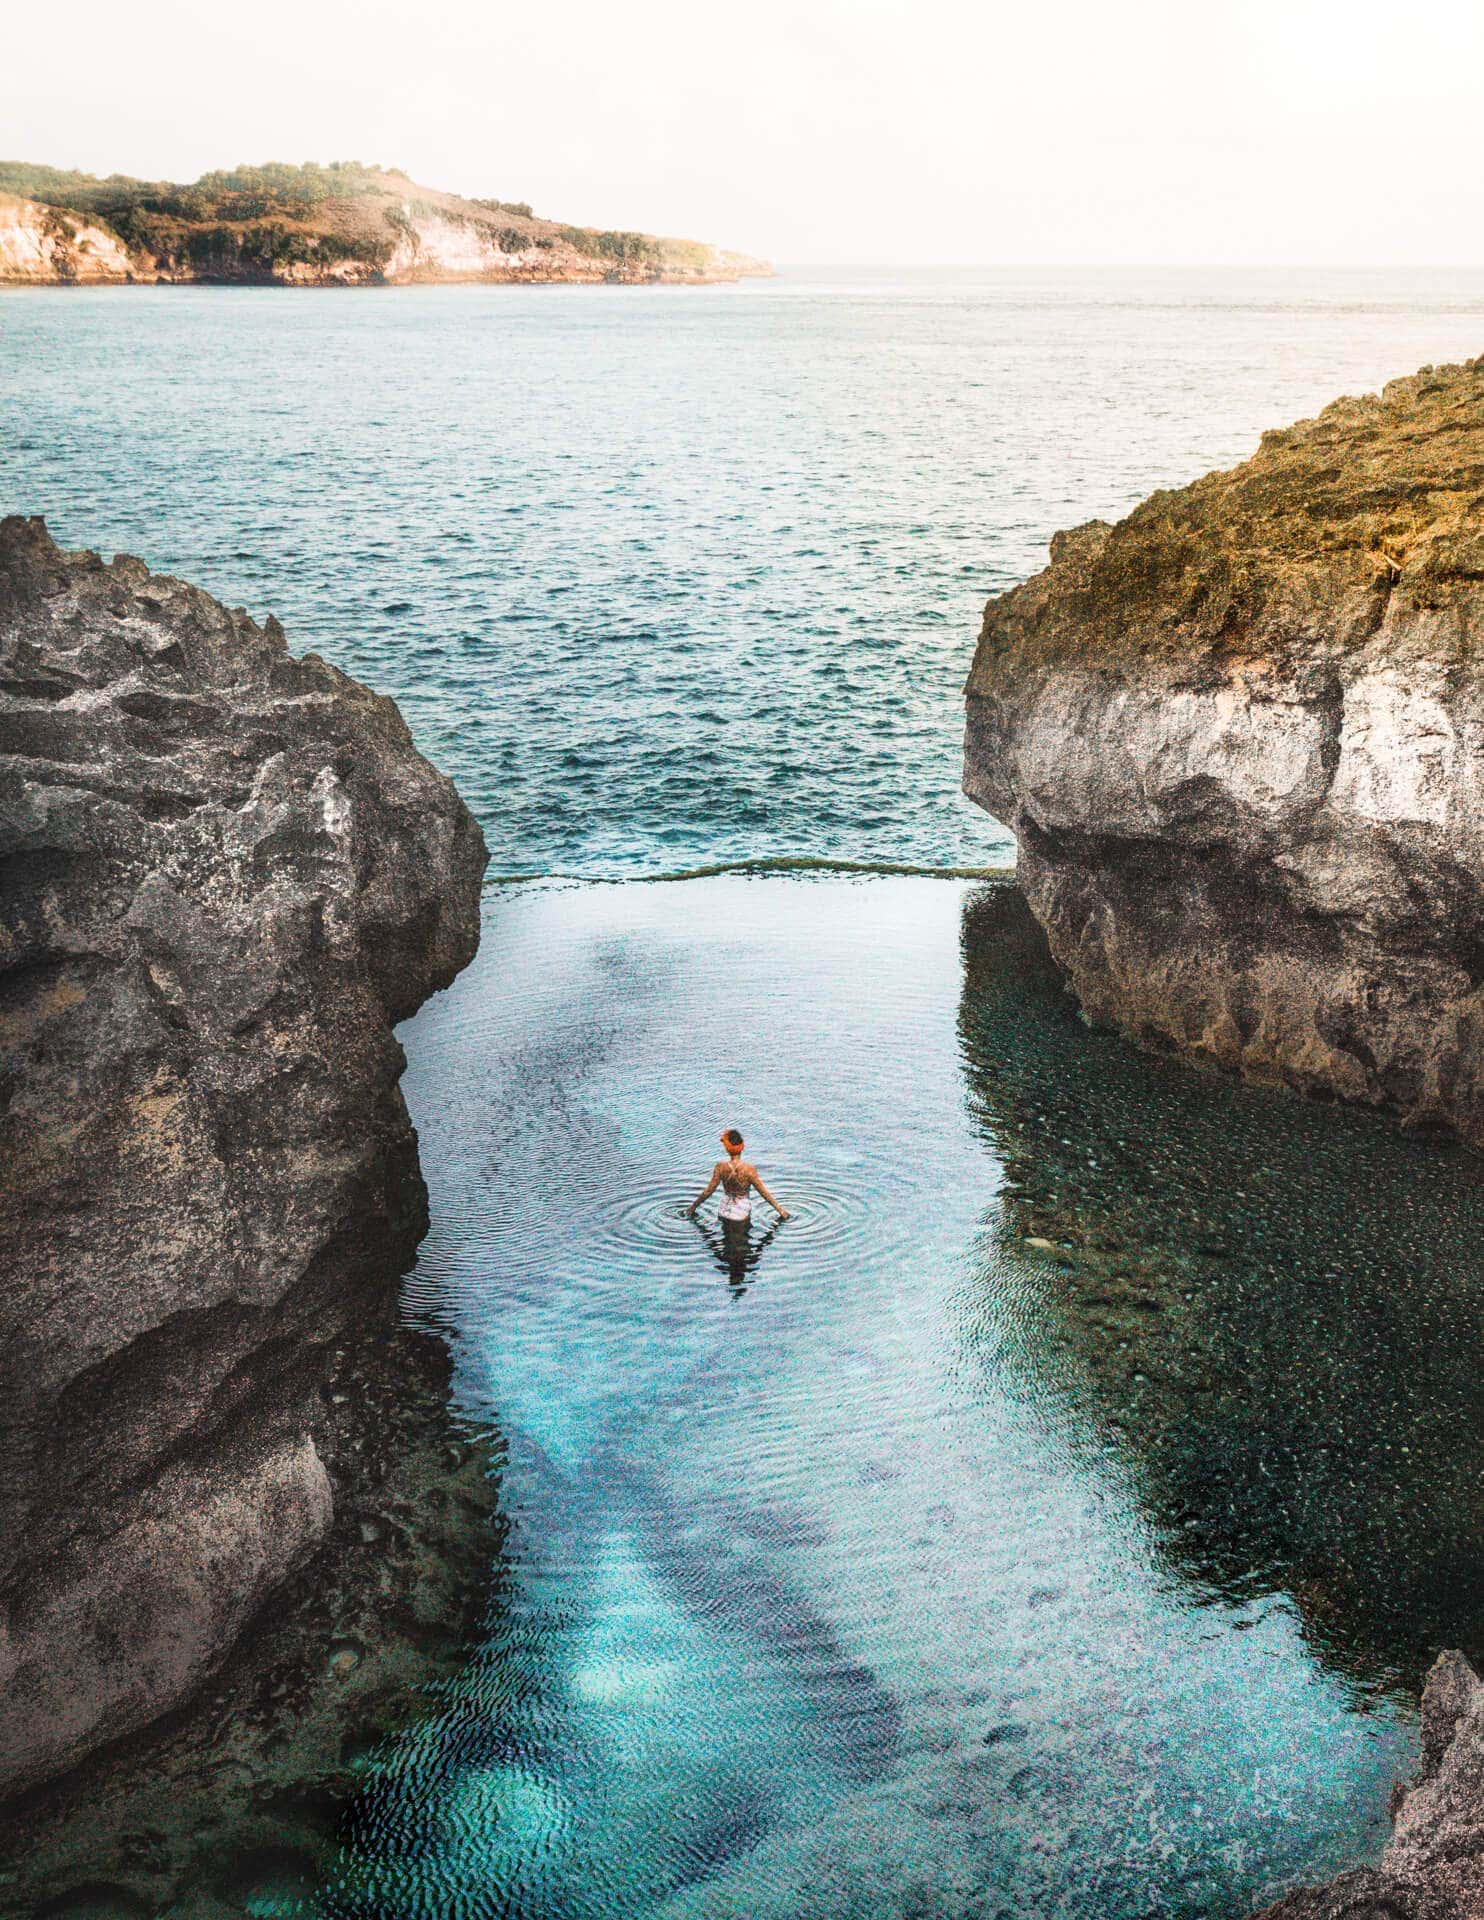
x: 226, y: 874
x: 1238, y: 737
x: 1267, y: 1310
x: 188, y: 1815
x: 1434, y: 1866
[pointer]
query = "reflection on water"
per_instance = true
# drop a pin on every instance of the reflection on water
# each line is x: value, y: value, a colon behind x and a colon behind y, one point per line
x: 736, y: 1247
x: 1271, y: 1310
x: 994, y: 1554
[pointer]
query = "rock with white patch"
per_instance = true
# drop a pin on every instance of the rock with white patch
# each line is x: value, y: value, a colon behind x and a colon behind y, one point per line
x: 1434, y: 1867
x: 46, y: 246
x: 1240, y: 739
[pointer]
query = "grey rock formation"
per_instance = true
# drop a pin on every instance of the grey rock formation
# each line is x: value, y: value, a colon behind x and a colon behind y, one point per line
x: 232, y: 1804
x: 224, y: 874
x: 1239, y: 739
x: 1434, y: 1866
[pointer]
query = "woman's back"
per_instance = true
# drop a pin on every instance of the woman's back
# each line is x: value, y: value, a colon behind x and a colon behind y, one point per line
x: 737, y: 1178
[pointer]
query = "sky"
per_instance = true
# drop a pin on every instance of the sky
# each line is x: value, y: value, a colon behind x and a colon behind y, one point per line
x: 914, y: 132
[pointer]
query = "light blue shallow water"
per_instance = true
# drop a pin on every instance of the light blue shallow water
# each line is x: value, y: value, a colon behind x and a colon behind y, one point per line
x: 916, y: 1570
x: 920, y: 1568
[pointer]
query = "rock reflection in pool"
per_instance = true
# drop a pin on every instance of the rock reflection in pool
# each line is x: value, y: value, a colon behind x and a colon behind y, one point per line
x: 1270, y: 1309
x: 847, y: 1599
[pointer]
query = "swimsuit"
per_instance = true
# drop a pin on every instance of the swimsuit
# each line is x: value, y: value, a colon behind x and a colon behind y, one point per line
x: 735, y: 1206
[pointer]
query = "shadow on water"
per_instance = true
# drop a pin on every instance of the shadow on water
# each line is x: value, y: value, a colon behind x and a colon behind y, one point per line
x: 1269, y: 1311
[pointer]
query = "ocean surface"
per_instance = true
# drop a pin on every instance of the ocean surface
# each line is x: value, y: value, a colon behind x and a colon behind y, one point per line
x: 668, y: 576
x: 1055, y: 1517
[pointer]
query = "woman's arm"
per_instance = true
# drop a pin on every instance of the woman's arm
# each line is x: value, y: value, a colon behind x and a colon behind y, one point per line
x: 711, y: 1186
x: 757, y: 1181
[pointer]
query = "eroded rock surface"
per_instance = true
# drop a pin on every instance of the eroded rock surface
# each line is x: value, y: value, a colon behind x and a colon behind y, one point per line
x: 225, y: 874
x: 1434, y: 1866
x: 237, y: 1804
x: 42, y: 246
x: 1239, y: 736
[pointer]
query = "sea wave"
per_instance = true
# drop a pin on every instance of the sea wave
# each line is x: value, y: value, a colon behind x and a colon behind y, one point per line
x: 798, y: 863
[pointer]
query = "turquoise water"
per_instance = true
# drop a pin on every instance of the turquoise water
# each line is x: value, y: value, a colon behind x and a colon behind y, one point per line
x: 1056, y: 1516
x: 917, y: 1569
x: 663, y: 576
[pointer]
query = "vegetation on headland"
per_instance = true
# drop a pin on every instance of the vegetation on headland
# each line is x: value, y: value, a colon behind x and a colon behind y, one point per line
x: 344, y: 221
x: 236, y: 194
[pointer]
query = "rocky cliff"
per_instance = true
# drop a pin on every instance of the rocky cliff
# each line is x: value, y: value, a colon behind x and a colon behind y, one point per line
x: 1238, y: 738
x: 41, y: 246
x: 226, y: 873
x: 236, y: 1805
x: 343, y: 225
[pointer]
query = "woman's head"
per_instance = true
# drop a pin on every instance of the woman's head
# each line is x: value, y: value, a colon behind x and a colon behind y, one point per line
x: 732, y: 1141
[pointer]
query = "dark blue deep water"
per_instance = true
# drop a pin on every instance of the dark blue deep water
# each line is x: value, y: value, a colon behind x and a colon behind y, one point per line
x: 1056, y: 1516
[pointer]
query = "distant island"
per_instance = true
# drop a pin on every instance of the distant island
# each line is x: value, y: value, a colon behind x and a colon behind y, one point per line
x: 338, y: 225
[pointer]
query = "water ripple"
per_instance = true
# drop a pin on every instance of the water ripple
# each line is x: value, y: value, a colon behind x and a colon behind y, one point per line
x: 749, y: 643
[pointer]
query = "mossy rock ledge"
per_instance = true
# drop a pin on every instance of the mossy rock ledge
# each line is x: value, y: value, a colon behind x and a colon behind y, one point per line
x: 226, y: 874
x: 1240, y: 739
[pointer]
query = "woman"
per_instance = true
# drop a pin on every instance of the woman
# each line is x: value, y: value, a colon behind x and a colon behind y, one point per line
x: 737, y: 1178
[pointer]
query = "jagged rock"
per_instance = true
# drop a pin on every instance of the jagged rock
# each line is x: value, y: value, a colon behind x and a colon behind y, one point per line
x: 1238, y: 737
x: 252, y: 1779
x: 1434, y: 1867
x: 225, y: 873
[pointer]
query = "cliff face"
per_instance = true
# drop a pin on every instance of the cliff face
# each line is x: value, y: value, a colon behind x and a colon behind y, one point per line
x: 41, y: 246
x: 1238, y: 737
x: 315, y: 226
x: 250, y: 1783
x: 226, y: 873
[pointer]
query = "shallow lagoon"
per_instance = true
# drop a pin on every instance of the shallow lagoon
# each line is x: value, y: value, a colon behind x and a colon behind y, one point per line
x: 1053, y: 1520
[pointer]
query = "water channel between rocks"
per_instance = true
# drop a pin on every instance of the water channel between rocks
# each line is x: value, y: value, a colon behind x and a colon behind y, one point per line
x: 1054, y: 1517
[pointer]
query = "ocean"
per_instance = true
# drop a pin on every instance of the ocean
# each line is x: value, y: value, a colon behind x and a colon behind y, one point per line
x: 663, y: 576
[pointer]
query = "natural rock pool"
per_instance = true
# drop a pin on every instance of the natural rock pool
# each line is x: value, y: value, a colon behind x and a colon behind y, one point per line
x: 925, y: 1570
x: 1053, y: 1518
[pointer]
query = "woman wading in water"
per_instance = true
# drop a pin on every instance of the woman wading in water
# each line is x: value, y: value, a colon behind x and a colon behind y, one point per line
x: 737, y: 1178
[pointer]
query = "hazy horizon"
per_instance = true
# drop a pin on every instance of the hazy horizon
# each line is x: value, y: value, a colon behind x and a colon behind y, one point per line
x: 840, y: 133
